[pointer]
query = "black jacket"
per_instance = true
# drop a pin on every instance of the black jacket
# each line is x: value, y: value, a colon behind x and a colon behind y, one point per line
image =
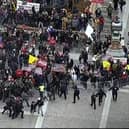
x: 114, y: 89
x: 101, y: 93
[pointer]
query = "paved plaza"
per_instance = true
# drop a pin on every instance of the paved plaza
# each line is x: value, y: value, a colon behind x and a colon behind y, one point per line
x: 63, y: 113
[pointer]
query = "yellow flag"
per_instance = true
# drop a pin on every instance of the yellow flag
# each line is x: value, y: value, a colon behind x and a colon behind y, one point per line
x: 32, y: 59
x: 106, y: 64
x: 127, y: 67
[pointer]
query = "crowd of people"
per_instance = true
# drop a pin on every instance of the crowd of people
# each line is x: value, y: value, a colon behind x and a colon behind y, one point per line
x: 53, y: 44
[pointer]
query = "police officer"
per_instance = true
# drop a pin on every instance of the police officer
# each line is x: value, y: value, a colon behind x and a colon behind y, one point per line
x: 100, y: 94
x: 14, y: 108
x: 63, y: 88
x: 25, y: 98
x: 115, y: 2
x: 114, y: 92
x: 17, y: 108
x: 53, y: 91
x: 40, y: 103
x: 93, y: 100
x: 41, y: 90
x: 8, y: 106
x: 76, y: 94
x: 122, y: 3
x: 33, y: 107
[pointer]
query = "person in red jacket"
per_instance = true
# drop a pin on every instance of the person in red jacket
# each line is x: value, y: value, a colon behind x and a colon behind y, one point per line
x: 101, y: 24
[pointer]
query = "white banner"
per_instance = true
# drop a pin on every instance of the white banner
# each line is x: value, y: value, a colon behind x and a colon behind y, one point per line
x: 89, y: 31
x: 27, y: 6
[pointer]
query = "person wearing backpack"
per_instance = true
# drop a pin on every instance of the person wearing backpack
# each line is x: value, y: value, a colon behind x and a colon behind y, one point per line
x: 76, y: 94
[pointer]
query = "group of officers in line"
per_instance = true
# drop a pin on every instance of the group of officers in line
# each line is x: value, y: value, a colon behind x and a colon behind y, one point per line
x: 101, y: 94
x: 15, y: 104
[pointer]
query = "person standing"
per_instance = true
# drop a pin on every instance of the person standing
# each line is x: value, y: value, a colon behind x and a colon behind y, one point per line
x: 93, y: 100
x: 110, y: 9
x: 115, y: 2
x: 101, y: 23
x: 121, y: 3
x: 76, y: 94
x: 40, y: 103
x: 63, y: 88
x: 25, y: 98
x: 100, y: 94
x: 33, y: 107
x: 41, y: 90
x: 98, y: 12
x: 114, y: 92
x: 70, y: 4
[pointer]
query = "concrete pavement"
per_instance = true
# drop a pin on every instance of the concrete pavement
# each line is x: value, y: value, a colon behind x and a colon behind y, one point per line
x: 65, y: 114
x: 119, y: 112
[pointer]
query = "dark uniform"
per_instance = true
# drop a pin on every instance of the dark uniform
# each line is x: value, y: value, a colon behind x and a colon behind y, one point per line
x: 115, y: 4
x: 17, y: 108
x: 33, y: 107
x: 100, y: 94
x: 63, y: 88
x: 93, y: 100
x: 76, y: 94
x: 122, y: 3
x: 40, y: 103
x: 8, y: 106
x: 114, y: 92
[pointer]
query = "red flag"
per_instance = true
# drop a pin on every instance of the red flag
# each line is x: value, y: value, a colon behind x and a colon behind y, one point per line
x: 97, y: 1
x: 42, y: 64
x: 19, y: 73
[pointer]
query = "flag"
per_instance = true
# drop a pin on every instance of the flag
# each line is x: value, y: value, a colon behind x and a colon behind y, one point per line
x: 89, y: 31
x: 97, y: 1
x: 127, y: 67
x: 38, y: 71
x: 42, y: 64
x: 106, y: 64
x: 19, y: 73
x: 32, y: 59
